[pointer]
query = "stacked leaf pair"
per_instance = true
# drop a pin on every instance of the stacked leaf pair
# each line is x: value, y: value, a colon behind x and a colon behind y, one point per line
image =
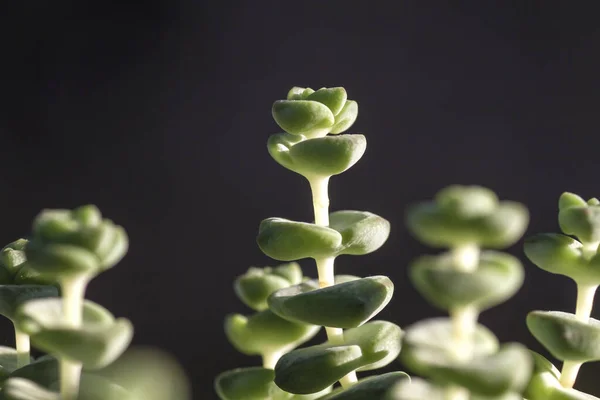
x: 571, y: 338
x: 460, y: 358
x: 67, y: 248
x: 262, y: 334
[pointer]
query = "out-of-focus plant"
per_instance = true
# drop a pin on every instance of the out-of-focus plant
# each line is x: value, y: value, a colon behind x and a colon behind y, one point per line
x: 44, y: 280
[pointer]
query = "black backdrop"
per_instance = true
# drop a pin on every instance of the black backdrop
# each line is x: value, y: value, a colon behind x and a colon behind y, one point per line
x: 158, y: 112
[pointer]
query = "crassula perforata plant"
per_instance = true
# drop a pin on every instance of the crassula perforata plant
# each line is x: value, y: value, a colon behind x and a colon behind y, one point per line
x: 453, y: 358
x: 43, y: 281
x: 313, y: 146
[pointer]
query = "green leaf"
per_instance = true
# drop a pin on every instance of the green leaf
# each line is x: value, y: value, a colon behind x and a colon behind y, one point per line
x: 312, y: 369
x: 420, y: 389
x: 345, y: 305
x: 303, y: 117
x: 74, y: 242
x: 289, y: 271
x: 449, y: 222
x: 567, y: 200
x: 148, y: 373
x: 429, y: 344
x: 467, y: 201
x: 42, y: 371
x: 22, y: 389
x: 12, y: 256
x: 334, y: 98
x: 93, y: 387
x: 97, y: 343
x: 286, y: 240
x: 255, y: 286
x: 8, y: 361
x: 577, y: 219
x: 380, y: 343
x: 12, y: 296
x: 319, y: 157
x: 346, y: 117
x: 563, y: 255
x: 254, y: 383
x: 545, y: 385
x: 506, y: 371
x: 497, y: 278
x: 265, y: 332
x: 362, y: 232
x: 565, y: 336
x: 373, y: 387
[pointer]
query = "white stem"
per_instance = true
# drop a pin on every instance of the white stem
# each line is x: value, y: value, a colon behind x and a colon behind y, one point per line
x: 270, y: 359
x: 585, y: 301
x: 464, y: 319
x: 569, y: 372
x: 320, y: 197
x: 325, y: 266
x: 23, y: 348
x: 70, y: 373
x: 73, y: 293
x: 466, y: 257
x: 464, y: 323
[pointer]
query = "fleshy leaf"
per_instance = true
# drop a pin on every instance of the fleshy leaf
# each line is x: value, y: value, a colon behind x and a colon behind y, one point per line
x: 22, y: 389
x: 429, y: 344
x: 497, y: 278
x: 148, y: 374
x: 265, y: 332
x: 312, y: 369
x: 8, y: 361
x: 43, y: 371
x: 255, y: 286
x: 581, y: 220
x: 506, y: 371
x: 345, y: 305
x: 420, y: 389
x: 346, y: 117
x: 380, y: 343
x: 303, y: 117
x: 373, y: 387
x: 254, y: 383
x: 467, y: 215
x: 560, y: 254
x: 319, y: 157
x: 97, y: 343
x: 362, y: 232
x: 74, y: 242
x: 12, y: 256
x: 565, y: 336
x: 286, y: 240
x: 544, y: 383
x: 12, y: 296
x: 334, y: 98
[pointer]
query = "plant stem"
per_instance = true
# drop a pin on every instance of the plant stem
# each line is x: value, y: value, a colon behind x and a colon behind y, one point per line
x: 320, y: 197
x: 464, y: 319
x: 270, y: 359
x: 583, y: 311
x: 325, y: 266
x: 569, y: 372
x: 73, y: 293
x: 585, y: 301
x: 23, y: 348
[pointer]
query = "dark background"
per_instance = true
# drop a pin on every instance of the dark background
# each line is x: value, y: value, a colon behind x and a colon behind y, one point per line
x: 159, y: 111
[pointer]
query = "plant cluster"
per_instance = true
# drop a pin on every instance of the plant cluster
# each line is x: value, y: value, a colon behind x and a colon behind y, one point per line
x: 453, y: 358
x: 43, y: 281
